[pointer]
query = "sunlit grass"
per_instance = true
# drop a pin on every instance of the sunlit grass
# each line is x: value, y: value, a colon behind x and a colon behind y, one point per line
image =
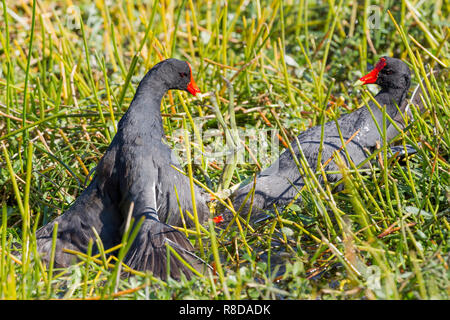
x: 65, y: 82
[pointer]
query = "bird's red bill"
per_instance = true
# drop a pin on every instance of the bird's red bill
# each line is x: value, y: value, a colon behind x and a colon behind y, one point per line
x: 192, y: 86
x: 218, y: 219
x: 372, y: 76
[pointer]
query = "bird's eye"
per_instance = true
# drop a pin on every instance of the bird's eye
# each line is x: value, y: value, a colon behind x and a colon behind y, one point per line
x: 388, y: 72
x: 183, y: 74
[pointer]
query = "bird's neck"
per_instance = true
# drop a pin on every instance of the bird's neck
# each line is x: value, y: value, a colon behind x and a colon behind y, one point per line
x: 391, y: 97
x: 143, y: 117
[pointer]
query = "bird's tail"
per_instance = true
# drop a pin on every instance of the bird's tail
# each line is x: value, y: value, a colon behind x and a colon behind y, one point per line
x: 149, y: 251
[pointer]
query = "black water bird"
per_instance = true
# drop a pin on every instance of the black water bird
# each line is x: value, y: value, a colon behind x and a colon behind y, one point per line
x: 281, y: 182
x: 136, y: 169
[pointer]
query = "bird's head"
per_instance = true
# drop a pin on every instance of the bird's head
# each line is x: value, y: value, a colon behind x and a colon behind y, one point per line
x: 389, y: 73
x: 177, y: 74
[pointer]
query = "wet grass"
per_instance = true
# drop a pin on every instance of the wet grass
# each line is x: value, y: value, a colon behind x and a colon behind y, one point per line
x: 65, y: 82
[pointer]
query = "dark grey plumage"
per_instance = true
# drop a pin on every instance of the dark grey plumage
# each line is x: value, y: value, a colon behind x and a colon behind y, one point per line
x: 135, y: 168
x: 279, y: 183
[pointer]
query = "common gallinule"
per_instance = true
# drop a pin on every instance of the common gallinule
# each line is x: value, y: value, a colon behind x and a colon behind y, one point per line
x: 279, y: 183
x: 136, y: 168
